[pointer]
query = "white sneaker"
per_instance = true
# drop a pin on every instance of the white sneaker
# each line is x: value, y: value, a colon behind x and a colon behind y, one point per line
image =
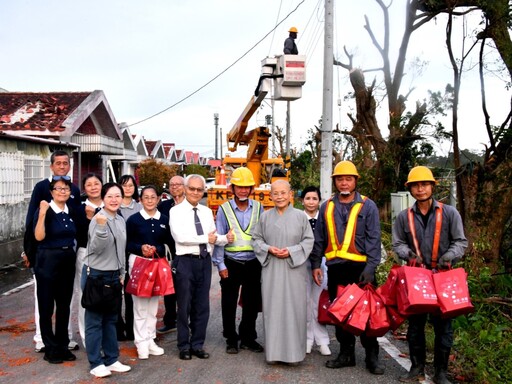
x: 39, y: 347
x: 118, y: 367
x: 324, y: 350
x: 154, y: 349
x: 73, y: 345
x: 101, y: 371
x: 143, y: 353
x: 309, y: 346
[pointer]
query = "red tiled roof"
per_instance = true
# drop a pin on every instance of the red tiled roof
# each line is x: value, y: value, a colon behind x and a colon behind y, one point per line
x: 26, y: 111
x: 150, y: 145
x: 214, y: 163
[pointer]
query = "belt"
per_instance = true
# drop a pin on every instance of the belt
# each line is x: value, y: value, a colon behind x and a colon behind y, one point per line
x: 190, y: 255
x: 58, y: 248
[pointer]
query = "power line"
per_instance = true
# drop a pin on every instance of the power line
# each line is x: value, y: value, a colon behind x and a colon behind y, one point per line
x: 221, y: 73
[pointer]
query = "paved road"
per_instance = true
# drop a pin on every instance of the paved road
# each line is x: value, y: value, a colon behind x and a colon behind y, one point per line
x: 20, y: 364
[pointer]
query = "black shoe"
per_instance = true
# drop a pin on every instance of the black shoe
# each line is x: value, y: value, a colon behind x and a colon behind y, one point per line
x: 342, y: 361
x: 231, y: 349
x: 200, y: 353
x: 185, y: 355
x: 166, y: 329
x: 68, y: 356
x: 52, y: 358
x: 252, y: 346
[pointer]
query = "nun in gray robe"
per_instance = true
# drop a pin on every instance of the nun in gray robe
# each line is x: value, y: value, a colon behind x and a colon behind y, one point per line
x: 282, y: 242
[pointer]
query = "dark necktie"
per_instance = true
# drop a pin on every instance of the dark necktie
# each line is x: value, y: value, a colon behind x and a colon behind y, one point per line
x: 203, y: 251
x: 313, y: 223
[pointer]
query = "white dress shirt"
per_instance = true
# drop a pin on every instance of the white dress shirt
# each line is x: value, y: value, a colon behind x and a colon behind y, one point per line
x: 183, y: 228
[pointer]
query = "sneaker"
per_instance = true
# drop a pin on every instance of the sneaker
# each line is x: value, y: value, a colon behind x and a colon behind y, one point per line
x: 118, y: 367
x: 143, y: 353
x: 166, y: 329
x: 73, y: 345
x: 324, y: 350
x: 100, y: 371
x: 309, y: 347
x: 39, y: 347
x: 154, y: 349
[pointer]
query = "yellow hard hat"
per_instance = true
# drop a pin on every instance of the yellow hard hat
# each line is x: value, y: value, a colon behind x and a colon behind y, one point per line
x: 345, y: 168
x: 420, y: 173
x: 242, y: 177
x: 293, y: 29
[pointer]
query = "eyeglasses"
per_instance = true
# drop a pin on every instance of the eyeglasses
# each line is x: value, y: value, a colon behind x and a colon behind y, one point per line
x: 192, y: 189
x: 172, y: 185
x: 57, y: 178
x: 62, y: 189
x: 148, y: 198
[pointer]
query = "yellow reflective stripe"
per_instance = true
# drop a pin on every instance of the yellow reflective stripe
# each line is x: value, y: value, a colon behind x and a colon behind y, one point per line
x: 337, y: 250
x: 243, y: 239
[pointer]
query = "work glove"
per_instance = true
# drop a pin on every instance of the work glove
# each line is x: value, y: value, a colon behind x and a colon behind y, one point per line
x: 367, y: 277
x: 414, y: 257
x: 444, y: 261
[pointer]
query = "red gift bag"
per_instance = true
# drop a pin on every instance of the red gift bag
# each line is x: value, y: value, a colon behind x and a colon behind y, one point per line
x: 358, y: 319
x: 164, y: 284
x: 378, y: 323
x: 323, y: 305
x: 343, y: 304
x: 142, y: 277
x: 416, y: 292
x: 452, y: 292
x: 395, y: 318
x: 387, y: 291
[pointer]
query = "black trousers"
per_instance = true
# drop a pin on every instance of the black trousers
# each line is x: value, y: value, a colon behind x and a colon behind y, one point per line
x: 247, y: 276
x: 55, y: 275
x: 192, y: 285
x: 344, y: 274
x: 416, y: 333
x: 170, y: 310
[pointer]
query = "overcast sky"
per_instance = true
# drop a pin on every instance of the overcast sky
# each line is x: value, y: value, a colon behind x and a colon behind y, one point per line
x: 146, y: 56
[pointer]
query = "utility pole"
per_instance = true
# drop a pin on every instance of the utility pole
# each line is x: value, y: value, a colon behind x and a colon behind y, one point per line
x: 326, y: 152
x: 216, y: 123
x: 288, y: 129
x: 221, y: 143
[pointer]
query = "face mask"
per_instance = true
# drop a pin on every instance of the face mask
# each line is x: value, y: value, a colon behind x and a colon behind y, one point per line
x: 345, y: 193
x: 244, y: 199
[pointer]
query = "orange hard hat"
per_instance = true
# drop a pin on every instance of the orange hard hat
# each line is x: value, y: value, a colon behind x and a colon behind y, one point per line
x: 293, y: 29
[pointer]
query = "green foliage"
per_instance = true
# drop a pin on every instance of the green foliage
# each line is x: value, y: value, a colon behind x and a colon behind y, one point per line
x: 153, y: 172
x: 196, y: 169
x: 304, y: 171
x: 483, y: 339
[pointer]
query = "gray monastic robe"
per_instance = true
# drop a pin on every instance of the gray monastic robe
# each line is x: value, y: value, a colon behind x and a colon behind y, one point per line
x: 284, y: 282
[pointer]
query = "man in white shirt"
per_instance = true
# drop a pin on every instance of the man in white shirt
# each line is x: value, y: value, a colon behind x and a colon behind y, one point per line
x: 194, y: 232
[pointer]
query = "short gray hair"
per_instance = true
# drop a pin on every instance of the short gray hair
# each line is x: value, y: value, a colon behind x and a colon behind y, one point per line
x: 194, y: 176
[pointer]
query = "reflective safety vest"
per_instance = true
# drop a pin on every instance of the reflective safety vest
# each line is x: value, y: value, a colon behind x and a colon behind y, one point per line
x: 437, y: 233
x: 347, y: 249
x: 243, y: 237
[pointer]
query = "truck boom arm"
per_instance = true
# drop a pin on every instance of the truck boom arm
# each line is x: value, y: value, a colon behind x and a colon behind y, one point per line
x: 237, y: 134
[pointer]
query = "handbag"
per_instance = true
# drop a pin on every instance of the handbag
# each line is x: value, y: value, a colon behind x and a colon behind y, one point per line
x: 142, y: 277
x: 323, y: 305
x: 395, y: 318
x: 357, y: 320
x: 378, y: 322
x: 387, y: 291
x: 98, y: 296
x: 452, y: 292
x: 164, y: 284
x: 416, y: 292
x: 343, y: 304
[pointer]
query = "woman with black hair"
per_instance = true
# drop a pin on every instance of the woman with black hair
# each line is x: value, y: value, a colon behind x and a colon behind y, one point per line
x: 129, y: 206
x: 54, y: 269
x: 148, y: 233
x: 105, y: 260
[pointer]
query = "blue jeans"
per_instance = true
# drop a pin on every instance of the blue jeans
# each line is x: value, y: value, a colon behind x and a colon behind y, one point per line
x: 100, y: 328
